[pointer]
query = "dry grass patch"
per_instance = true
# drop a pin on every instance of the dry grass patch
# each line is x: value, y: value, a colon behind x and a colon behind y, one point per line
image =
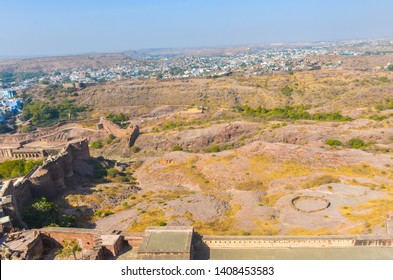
x: 299, y: 231
x: 267, y: 227
x: 321, y: 180
x: 271, y: 199
x: 364, y: 170
x: 225, y: 226
x: 266, y: 169
x: 152, y: 217
x: 251, y: 185
x: 371, y: 213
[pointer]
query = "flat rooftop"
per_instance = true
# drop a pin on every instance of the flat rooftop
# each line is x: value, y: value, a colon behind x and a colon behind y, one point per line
x: 109, y: 240
x: 167, y: 240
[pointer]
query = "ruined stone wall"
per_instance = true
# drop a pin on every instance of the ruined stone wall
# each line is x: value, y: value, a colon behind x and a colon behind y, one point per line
x: 43, y: 134
x: 35, y: 249
x: 46, y: 180
x: 79, y: 150
x: 88, y: 238
x: 21, y: 199
x: 50, y: 178
x: 112, y: 128
x: 6, y: 153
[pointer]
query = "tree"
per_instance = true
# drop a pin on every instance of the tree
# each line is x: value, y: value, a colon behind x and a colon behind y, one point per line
x: 356, y: 143
x: 44, y: 213
x: 112, y: 172
x: 96, y: 145
x: 70, y: 248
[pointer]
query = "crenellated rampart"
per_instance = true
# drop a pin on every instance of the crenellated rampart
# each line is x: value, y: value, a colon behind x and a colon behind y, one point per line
x: 292, y: 241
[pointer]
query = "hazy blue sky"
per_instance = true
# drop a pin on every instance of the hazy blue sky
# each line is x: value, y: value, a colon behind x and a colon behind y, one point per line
x: 55, y: 27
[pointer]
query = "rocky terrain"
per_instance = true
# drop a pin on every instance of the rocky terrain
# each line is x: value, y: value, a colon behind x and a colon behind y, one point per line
x: 200, y: 159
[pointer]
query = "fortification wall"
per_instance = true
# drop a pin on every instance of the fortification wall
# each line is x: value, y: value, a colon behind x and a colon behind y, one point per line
x: 51, y: 177
x: 37, y: 135
x: 112, y: 128
x: 288, y: 242
x: 79, y: 149
x: 20, y: 200
x: 46, y: 180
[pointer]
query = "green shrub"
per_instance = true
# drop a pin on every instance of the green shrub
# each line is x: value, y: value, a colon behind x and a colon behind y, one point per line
x: 99, y: 169
x: 135, y: 149
x: 177, y: 148
x: 25, y: 128
x: 110, y: 139
x: 112, y: 172
x: 383, y: 79
x: 96, y: 145
x: 117, y: 118
x: 293, y: 113
x: 214, y: 149
x: 43, y: 213
x: 333, y: 142
x: 378, y: 118
x: 356, y: 143
x: 287, y: 90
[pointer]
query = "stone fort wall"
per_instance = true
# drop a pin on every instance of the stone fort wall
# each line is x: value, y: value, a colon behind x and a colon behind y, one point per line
x: 46, y: 180
x: 50, y: 140
x: 51, y: 177
x: 292, y: 242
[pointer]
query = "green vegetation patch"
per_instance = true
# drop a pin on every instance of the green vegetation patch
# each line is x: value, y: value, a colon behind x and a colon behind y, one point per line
x: 43, y: 213
x: 333, y: 142
x: 117, y: 119
x: 96, y: 145
x: 43, y: 114
x: 356, y: 143
x: 292, y: 113
x: 10, y: 77
x: 17, y: 168
x: 388, y: 104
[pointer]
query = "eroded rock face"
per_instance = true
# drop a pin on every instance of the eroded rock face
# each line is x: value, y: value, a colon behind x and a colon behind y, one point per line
x: 204, y: 208
x: 195, y: 139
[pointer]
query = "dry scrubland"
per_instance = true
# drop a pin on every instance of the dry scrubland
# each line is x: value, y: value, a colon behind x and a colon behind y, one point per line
x: 325, y: 90
x: 227, y: 172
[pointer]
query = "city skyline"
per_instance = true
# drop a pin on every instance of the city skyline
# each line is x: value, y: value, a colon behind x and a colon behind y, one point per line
x: 44, y: 28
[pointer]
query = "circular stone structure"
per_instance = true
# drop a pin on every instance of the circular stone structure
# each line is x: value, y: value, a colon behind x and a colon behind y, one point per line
x: 309, y: 204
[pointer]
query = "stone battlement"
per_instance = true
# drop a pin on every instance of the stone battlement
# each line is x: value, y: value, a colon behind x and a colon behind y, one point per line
x: 292, y: 241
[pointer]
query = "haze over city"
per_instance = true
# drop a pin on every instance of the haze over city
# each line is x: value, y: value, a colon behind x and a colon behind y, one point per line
x: 46, y: 28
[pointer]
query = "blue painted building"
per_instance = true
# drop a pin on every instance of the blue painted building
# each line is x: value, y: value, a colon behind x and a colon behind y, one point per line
x: 7, y: 93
